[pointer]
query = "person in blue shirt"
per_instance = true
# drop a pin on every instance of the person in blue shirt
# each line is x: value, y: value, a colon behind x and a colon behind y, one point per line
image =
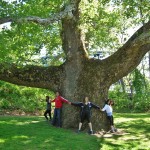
x: 85, y: 112
x: 48, y: 108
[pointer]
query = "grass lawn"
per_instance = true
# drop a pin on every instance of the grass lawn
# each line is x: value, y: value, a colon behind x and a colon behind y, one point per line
x: 135, y: 134
x: 34, y: 133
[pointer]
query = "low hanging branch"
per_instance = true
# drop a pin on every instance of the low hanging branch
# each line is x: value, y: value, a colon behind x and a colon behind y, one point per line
x: 33, y: 76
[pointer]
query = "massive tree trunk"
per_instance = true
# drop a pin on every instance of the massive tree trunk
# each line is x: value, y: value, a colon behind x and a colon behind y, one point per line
x: 80, y: 76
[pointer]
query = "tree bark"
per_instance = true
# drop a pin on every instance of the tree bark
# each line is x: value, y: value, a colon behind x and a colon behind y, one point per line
x: 33, y: 76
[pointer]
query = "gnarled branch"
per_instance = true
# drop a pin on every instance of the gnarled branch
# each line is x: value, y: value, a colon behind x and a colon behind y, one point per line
x: 67, y: 12
x: 129, y: 55
x: 33, y: 76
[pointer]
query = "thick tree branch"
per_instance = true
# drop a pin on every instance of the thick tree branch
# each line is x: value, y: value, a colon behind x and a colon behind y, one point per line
x: 67, y: 12
x: 5, y: 20
x: 33, y: 76
x: 129, y: 56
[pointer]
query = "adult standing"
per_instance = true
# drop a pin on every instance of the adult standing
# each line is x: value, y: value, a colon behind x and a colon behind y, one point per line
x: 59, y: 100
x: 85, y: 112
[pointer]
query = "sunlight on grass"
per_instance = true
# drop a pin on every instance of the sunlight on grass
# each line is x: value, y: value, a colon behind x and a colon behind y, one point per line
x: 34, y: 133
x: 20, y: 137
x: 16, y: 122
x: 133, y: 133
x: 48, y: 140
x: 35, y: 121
x: 132, y: 137
x: 121, y: 120
x: 27, y: 142
x: 2, y: 140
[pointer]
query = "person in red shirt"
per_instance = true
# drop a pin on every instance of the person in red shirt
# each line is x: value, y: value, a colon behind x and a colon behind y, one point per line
x: 58, y: 109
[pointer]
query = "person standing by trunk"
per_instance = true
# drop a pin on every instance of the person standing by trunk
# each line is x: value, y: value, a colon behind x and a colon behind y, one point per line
x: 109, y: 112
x: 48, y: 108
x: 85, y: 112
x: 58, y: 109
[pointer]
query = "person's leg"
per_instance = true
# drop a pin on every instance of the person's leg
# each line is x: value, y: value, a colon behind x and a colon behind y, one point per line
x: 90, y: 126
x: 59, y: 117
x: 112, y: 129
x: 112, y: 124
x: 110, y: 118
x: 54, y: 117
x: 88, y: 117
x: 49, y: 113
x: 45, y: 114
x: 80, y: 125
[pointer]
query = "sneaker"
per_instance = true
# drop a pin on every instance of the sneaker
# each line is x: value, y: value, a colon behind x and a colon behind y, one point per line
x: 91, y: 132
x: 115, y: 130
x: 78, y: 131
x: 112, y: 131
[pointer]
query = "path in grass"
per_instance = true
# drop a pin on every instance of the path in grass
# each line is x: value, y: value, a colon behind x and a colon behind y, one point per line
x: 34, y: 133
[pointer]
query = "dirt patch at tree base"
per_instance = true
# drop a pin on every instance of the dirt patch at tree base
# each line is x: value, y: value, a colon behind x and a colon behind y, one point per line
x: 109, y: 134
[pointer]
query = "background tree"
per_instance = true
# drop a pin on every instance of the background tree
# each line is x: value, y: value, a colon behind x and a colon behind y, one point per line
x: 71, y: 29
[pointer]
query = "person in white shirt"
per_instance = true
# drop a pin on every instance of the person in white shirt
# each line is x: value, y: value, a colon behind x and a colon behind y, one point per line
x: 109, y: 112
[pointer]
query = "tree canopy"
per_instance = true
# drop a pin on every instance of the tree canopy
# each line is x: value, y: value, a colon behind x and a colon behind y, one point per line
x: 34, y: 24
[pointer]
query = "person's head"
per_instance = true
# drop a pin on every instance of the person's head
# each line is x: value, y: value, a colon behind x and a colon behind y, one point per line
x: 57, y: 93
x: 107, y: 101
x: 86, y: 99
x: 47, y: 98
x: 110, y: 102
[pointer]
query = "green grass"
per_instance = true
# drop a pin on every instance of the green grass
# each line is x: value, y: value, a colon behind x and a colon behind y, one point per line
x: 34, y: 133
x: 135, y: 133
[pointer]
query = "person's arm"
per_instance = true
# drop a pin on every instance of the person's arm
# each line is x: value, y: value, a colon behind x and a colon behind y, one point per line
x: 51, y: 101
x: 76, y: 104
x: 95, y: 106
x: 104, y: 108
x: 64, y: 100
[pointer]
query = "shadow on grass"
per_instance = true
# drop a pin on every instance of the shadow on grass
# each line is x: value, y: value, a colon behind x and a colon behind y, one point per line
x: 124, y: 142
x: 133, y: 115
x: 136, y: 128
x: 20, y: 133
x: 29, y: 133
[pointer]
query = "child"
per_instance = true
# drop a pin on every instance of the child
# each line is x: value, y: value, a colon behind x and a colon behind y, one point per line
x: 109, y: 110
x: 85, y: 112
x: 48, y: 108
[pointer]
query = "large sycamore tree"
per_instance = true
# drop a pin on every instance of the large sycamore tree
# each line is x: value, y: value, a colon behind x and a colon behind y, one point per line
x: 72, y: 29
